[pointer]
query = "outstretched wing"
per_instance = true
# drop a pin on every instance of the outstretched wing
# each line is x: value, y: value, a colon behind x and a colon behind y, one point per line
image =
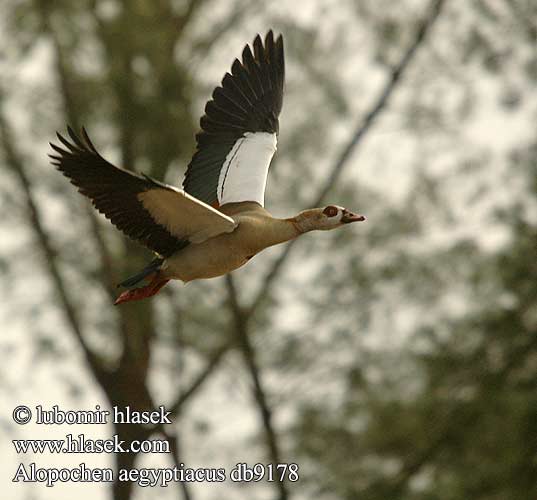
x: 159, y: 216
x: 239, y: 129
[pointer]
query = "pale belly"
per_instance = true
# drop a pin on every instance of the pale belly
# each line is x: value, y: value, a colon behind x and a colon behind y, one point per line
x: 209, y: 259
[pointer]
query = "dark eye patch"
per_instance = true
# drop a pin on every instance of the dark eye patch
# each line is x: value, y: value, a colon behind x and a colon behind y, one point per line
x: 330, y: 211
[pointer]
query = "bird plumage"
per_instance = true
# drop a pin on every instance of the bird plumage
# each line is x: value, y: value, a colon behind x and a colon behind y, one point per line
x: 218, y: 222
x: 243, y: 110
x: 143, y: 208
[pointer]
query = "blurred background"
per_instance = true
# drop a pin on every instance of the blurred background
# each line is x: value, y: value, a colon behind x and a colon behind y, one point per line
x: 393, y: 359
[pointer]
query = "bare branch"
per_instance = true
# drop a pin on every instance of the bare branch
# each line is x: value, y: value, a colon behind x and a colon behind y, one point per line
x: 182, y: 20
x: 363, y: 127
x: 172, y: 438
x: 120, y: 78
x: 177, y: 461
x: 240, y: 11
x: 241, y: 315
x: 106, y: 271
x: 15, y: 163
x: 204, y: 374
x: 442, y: 435
x: 382, y: 101
x: 241, y: 330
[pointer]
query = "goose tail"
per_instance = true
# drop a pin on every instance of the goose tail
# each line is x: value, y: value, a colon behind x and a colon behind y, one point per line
x: 152, y: 268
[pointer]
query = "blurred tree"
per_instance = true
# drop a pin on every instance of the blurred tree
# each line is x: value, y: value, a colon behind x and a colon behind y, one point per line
x: 453, y: 416
x: 124, y: 69
x: 448, y: 413
x: 401, y: 412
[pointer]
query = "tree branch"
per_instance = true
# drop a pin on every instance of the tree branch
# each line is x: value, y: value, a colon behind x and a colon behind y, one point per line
x: 106, y: 269
x: 182, y: 20
x: 15, y: 163
x: 415, y: 462
x: 172, y: 438
x: 241, y: 330
x: 240, y: 11
x: 241, y: 315
x: 174, y: 444
x: 363, y: 127
x: 204, y: 374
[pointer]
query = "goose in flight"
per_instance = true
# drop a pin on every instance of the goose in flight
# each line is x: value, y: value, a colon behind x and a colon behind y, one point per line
x: 217, y: 222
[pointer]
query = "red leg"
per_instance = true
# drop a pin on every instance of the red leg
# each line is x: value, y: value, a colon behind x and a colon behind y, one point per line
x: 143, y: 292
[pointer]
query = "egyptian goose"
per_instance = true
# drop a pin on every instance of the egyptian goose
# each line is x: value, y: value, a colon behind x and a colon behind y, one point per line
x: 218, y: 222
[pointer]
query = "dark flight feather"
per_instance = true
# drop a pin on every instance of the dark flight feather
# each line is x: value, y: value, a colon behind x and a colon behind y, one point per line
x: 113, y: 192
x: 249, y: 100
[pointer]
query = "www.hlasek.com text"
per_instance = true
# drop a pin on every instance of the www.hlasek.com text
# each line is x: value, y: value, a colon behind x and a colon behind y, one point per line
x: 83, y: 444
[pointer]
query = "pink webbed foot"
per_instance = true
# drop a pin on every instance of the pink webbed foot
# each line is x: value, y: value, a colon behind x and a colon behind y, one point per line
x: 142, y: 292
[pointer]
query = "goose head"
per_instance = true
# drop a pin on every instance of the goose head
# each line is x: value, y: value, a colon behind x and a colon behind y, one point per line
x: 326, y: 218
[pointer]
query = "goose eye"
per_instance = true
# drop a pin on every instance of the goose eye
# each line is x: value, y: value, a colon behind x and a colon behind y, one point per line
x: 330, y: 211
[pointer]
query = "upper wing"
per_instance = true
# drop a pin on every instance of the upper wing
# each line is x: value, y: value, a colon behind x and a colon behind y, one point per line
x: 159, y: 216
x: 239, y: 128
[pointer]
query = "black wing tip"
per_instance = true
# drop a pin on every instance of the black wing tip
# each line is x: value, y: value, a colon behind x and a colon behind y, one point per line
x: 257, y: 50
x: 74, y: 143
x: 249, y: 99
x: 70, y: 131
x: 269, y: 37
x: 279, y: 42
x: 268, y: 40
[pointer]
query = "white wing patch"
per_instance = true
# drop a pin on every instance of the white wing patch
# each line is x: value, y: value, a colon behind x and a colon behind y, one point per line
x: 244, y: 173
